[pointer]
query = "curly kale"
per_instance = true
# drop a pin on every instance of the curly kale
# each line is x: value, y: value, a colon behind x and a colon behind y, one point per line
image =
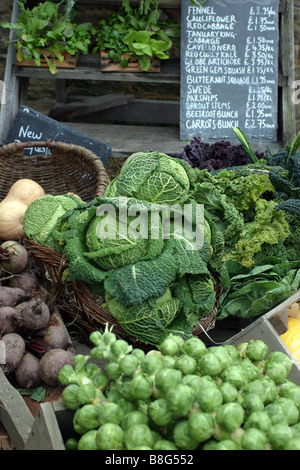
x: 269, y: 226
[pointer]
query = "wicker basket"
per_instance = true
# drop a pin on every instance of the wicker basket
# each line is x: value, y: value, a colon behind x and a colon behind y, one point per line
x: 59, y: 168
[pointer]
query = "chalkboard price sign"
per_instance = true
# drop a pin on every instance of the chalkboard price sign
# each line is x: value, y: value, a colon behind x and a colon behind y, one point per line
x: 30, y: 125
x: 229, y: 69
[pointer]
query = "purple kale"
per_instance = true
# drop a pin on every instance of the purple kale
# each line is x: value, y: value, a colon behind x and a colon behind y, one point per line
x: 214, y: 156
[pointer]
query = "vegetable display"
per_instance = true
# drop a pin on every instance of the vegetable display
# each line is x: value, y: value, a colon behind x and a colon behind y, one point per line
x: 181, y: 396
x: 248, y: 261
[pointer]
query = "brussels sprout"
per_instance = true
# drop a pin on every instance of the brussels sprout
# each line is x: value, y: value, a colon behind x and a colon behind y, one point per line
x: 259, y: 420
x: 168, y: 362
x: 182, y: 437
x: 256, y: 387
x: 293, y: 394
x: 125, y: 389
x: 194, y: 347
x: 108, y: 338
x: 132, y: 418
x: 201, y: 426
x: 186, y: 364
x: 227, y: 444
x: 100, y: 381
x: 166, y: 379
x: 210, y: 364
x: 285, y: 386
x: 119, y: 348
x: 169, y: 347
x: 279, y: 435
x: 229, y: 392
x: 235, y: 375
x: 110, y: 413
x: 276, y: 371
x: 254, y: 439
x: 113, y: 370
x: 100, y: 352
x: 151, y: 363
x: 252, y: 402
x: 164, y: 444
x: 139, y: 353
x: 142, y: 448
x: 88, y: 441
x: 91, y: 369
x: 193, y: 381
x: 86, y: 394
x: 71, y: 444
x: 256, y: 350
x: 210, y: 445
x: 96, y: 338
x: 159, y: 411
x: 281, y: 358
x: 126, y: 405
x: 209, y: 398
x: 110, y: 437
x: 69, y: 397
x: 270, y: 389
x: 230, y: 416
x: 129, y: 364
x: 222, y: 354
x: 65, y: 374
x: 289, y: 409
x: 87, y: 417
x: 141, y: 387
x: 234, y: 353
x: 138, y: 435
x: 250, y: 368
x: 156, y: 436
x: 275, y: 413
x: 180, y: 399
x: 293, y: 444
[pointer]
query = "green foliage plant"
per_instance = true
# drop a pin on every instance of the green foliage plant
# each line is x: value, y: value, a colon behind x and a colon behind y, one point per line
x: 49, y: 27
x: 138, y: 32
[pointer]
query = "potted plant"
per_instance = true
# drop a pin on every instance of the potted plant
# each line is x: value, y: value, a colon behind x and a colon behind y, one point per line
x: 136, y: 34
x: 47, y: 36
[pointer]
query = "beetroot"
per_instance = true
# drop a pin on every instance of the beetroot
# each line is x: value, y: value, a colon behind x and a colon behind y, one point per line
x: 27, y: 372
x: 35, y: 314
x: 9, y: 320
x: 10, y: 296
x: 56, y: 336
x: 17, y: 257
x: 51, y: 363
x: 26, y: 280
x: 14, y: 351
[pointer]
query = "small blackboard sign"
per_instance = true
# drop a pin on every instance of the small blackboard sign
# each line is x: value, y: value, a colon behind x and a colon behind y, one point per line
x: 30, y: 125
x: 229, y: 69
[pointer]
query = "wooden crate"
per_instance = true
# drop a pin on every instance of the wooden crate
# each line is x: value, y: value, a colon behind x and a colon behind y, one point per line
x: 70, y: 61
x: 108, y: 65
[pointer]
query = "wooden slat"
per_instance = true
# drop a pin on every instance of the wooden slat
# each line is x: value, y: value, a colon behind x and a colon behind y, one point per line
x: 45, y: 433
x: 87, y: 106
x: 14, y: 413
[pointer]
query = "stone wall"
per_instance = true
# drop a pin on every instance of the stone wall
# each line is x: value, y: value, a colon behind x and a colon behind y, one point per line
x: 44, y: 92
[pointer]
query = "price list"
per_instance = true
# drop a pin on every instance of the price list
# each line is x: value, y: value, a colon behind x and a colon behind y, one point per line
x: 229, y: 69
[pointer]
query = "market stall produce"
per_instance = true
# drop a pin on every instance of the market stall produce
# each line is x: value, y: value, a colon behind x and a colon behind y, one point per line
x: 181, y: 396
x: 151, y: 286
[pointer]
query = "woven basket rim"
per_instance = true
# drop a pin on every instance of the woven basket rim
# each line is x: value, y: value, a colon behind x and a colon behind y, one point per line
x: 16, y: 149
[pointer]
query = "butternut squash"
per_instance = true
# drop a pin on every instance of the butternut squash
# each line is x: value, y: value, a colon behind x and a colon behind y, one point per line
x: 11, y: 218
x: 291, y: 337
x: 14, y: 205
x: 24, y: 190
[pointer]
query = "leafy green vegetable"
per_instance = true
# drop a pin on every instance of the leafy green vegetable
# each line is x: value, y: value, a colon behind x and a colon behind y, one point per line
x: 42, y: 216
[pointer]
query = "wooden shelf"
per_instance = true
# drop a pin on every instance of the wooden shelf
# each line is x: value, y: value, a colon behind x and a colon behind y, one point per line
x: 88, y: 68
